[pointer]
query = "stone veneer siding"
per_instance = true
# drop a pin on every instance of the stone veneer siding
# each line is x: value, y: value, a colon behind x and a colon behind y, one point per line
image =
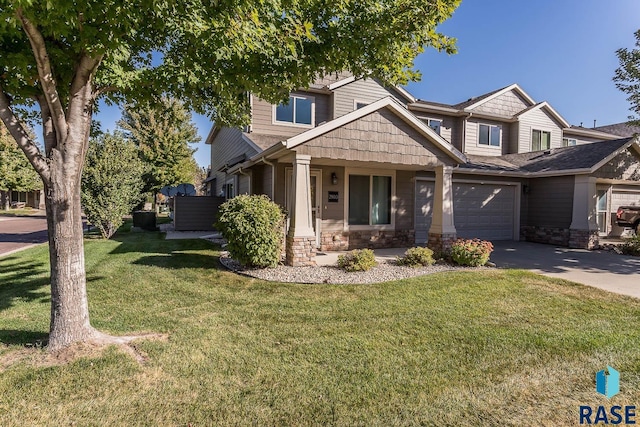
x: 372, y: 239
x: 301, y: 251
x: 583, y: 239
x: 549, y: 235
x: 440, y: 242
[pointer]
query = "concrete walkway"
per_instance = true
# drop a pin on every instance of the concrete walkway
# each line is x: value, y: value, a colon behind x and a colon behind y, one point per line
x: 601, y: 269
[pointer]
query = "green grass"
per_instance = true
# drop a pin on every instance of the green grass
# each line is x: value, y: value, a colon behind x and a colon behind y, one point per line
x: 469, y: 348
x: 21, y: 212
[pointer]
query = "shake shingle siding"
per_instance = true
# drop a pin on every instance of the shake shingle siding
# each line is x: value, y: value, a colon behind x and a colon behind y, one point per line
x: 507, y: 104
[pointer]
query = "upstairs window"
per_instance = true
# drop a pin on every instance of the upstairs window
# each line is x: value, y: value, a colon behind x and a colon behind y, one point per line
x: 359, y: 104
x: 540, y: 140
x: 569, y: 142
x: 435, y: 125
x: 490, y: 135
x: 298, y: 111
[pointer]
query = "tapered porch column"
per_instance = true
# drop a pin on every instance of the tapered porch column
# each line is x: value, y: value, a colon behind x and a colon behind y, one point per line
x: 443, y: 231
x: 583, y: 232
x: 301, y: 239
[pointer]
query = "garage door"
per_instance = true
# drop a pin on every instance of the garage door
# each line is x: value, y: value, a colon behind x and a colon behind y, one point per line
x: 484, y: 211
x: 424, y: 210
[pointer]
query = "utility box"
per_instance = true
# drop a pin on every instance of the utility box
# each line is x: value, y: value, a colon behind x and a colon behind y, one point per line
x: 145, y: 220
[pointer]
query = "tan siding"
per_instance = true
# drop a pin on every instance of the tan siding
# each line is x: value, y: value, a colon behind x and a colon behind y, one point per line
x: 580, y: 140
x: 332, y: 78
x: 378, y: 137
x: 227, y: 144
x: 332, y: 213
x: 262, y: 116
x: 507, y: 104
x: 550, y: 202
x: 267, y: 177
x: 367, y: 91
x: 538, y: 120
x: 244, y: 184
x: 280, y: 184
x: 404, y: 200
x: 513, y: 138
x: 624, y: 166
x: 471, y: 138
x: 448, y: 124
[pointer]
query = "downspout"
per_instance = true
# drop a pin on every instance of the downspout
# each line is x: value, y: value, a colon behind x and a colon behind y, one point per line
x: 247, y: 175
x: 273, y: 176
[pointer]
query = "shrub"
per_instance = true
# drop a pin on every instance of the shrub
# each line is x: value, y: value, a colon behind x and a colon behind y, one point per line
x: 357, y: 260
x: 631, y: 246
x: 253, y: 227
x: 471, y: 252
x: 417, y: 257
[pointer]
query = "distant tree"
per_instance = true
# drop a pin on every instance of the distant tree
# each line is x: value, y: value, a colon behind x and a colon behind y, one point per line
x: 627, y: 77
x: 162, y: 132
x: 111, y: 182
x: 16, y: 174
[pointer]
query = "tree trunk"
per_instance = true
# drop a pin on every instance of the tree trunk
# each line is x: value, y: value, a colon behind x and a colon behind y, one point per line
x: 4, y: 199
x: 69, y: 305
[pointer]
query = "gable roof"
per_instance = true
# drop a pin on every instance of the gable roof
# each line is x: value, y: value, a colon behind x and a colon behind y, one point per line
x: 585, y: 158
x: 621, y: 129
x: 392, y: 105
x: 479, y: 100
x: 549, y: 108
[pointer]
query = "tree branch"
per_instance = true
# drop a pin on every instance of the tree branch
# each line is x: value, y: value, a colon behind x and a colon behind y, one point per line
x: 45, y: 73
x: 104, y: 89
x: 21, y: 136
x: 48, y: 131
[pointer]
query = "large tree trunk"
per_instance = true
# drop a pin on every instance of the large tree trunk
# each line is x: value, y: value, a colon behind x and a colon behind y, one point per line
x: 69, y: 305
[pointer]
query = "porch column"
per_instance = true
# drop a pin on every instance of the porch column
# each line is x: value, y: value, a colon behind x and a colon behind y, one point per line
x: 301, y: 239
x: 443, y: 231
x: 583, y: 231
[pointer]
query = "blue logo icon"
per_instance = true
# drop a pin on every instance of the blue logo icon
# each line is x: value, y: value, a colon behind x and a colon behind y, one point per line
x: 609, y: 385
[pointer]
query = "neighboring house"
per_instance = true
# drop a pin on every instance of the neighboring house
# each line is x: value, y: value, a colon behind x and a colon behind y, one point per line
x: 357, y: 165
x: 33, y: 199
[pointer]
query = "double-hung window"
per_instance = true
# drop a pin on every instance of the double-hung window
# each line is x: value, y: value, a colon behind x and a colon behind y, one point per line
x: 298, y: 111
x: 569, y: 142
x: 489, y: 135
x: 369, y: 200
x: 540, y: 140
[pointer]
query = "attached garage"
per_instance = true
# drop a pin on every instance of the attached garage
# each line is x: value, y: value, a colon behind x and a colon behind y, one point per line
x: 620, y: 196
x: 485, y: 211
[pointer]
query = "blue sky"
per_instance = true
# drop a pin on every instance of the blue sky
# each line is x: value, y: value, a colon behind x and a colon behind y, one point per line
x: 560, y: 51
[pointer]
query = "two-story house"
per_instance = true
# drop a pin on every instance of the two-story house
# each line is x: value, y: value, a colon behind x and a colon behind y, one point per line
x: 357, y: 164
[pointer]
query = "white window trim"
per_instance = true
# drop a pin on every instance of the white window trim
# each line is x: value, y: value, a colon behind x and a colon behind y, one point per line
x: 359, y: 101
x: 370, y: 172
x: 494, y: 147
x: 297, y: 125
x: 427, y: 119
x: 569, y: 139
x: 541, y: 131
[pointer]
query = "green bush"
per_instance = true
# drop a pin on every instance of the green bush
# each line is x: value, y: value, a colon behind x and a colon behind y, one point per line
x: 471, y: 252
x: 253, y: 228
x: 631, y: 246
x: 417, y: 257
x: 357, y: 260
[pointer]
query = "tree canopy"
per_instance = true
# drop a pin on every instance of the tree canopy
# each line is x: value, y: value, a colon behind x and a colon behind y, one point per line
x: 162, y: 132
x: 62, y: 56
x: 627, y: 77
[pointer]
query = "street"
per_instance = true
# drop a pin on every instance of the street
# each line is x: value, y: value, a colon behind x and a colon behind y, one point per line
x: 20, y: 232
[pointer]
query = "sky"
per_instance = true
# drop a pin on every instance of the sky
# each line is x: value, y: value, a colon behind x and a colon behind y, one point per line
x: 560, y: 51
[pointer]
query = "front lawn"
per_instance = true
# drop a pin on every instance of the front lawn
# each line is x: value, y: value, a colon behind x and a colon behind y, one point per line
x: 467, y: 348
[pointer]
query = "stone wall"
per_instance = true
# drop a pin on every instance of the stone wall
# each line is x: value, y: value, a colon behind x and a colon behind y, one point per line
x: 301, y: 251
x: 583, y: 239
x: 549, y: 235
x: 373, y: 239
x: 440, y: 242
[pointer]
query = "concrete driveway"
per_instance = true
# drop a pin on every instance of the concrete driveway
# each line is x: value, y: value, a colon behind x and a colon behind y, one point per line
x: 600, y: 269
x: 17, y: 233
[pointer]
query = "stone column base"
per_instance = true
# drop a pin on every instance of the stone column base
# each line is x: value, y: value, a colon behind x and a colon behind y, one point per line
x: 583, y: 239
x: 440, y: 242
x: 301, y: 251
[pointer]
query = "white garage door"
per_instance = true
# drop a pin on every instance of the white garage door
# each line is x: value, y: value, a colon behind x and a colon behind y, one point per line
x: 423, y: 210
x: 484, y: 211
